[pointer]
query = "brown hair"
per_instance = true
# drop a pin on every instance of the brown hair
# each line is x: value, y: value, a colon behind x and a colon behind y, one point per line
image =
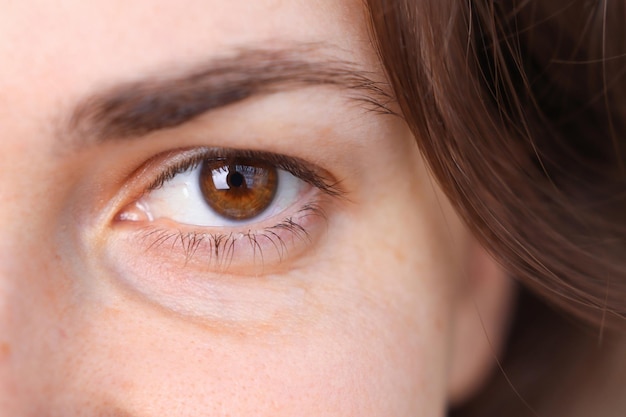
x: 518, y: 107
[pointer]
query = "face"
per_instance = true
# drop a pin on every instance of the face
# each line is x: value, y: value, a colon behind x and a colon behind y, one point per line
x: 206, y: 211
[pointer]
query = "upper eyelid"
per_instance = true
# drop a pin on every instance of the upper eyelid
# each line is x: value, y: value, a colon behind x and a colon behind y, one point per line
x: 298, y: 167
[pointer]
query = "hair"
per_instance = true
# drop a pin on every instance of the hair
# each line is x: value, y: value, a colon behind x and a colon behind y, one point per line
x: 518, y: 108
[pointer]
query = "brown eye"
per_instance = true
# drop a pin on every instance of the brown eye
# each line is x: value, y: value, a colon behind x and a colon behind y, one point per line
x: 238, y: 189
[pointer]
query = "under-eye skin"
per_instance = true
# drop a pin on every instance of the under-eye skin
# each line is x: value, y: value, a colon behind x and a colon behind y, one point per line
x: 218, y: 208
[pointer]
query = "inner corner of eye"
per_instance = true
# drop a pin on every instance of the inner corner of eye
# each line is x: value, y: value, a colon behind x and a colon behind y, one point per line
x: 134, y: 212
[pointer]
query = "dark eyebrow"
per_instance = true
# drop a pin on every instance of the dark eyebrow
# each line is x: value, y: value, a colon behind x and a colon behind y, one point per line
x: 137, y: 108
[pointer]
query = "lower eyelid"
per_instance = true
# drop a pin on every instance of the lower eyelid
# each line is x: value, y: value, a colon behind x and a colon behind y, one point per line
x: 180, y: 271
x: 235, y: 251
x: 242, y: 290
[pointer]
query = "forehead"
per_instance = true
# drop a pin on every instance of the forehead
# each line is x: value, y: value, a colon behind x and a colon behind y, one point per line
x: 52, y: 52
x: 72, y: 26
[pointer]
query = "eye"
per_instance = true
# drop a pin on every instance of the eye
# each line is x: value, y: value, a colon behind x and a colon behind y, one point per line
x: 220, y: 192
x: 216, y: 188
x: 213, y: 208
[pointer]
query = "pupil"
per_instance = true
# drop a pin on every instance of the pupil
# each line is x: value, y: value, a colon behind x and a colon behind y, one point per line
x: 236, y: 179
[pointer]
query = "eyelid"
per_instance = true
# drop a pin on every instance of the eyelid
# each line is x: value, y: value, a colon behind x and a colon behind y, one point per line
x: 300, y: 168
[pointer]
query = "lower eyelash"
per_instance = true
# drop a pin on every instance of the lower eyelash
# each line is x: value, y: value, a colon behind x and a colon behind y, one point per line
x: 219, y: 249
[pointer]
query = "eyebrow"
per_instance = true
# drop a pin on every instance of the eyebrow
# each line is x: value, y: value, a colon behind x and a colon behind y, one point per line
x: 136, y: 108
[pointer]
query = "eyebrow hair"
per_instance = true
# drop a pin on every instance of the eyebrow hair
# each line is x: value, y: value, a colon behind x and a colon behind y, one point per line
x: 140, y: 107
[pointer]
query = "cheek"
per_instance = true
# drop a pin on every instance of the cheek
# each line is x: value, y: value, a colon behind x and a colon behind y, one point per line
x: 368, y: 339
x: 356, y: 356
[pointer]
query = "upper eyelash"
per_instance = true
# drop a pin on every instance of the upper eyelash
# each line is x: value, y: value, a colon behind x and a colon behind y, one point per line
x: 296, y: 166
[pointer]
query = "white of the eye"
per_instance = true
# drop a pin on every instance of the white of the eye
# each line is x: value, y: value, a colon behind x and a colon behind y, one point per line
x: 180, y: 199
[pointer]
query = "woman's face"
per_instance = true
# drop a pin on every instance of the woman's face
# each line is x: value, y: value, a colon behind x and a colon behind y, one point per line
x: 206, y: 212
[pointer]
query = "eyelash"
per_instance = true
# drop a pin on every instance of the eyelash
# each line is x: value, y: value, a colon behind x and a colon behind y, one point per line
x: 297, y: 167
x: 218, y: 247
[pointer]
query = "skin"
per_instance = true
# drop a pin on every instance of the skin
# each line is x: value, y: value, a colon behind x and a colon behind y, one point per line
x: 374, y: 315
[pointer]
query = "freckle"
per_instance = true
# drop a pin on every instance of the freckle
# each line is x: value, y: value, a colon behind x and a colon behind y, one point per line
x: 327, y: 131
x: 111, y: 313
x: 400, y: 255
x: 438, y: 323
x: 5, y: 351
